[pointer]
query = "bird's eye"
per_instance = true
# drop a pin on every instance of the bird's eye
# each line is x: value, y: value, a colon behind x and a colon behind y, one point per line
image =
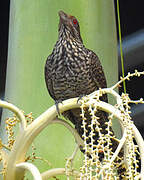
x: 75, y: 21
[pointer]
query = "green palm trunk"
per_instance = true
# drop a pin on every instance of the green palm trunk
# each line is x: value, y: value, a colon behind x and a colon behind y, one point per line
x: 32, y: 35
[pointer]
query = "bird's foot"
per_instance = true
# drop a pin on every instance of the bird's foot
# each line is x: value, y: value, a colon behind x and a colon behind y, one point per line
x: 57, y: 108
x: 79, y: 98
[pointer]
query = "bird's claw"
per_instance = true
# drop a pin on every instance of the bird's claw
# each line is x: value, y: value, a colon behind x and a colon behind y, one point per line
x: 79, y: 98
x: 57, y: 108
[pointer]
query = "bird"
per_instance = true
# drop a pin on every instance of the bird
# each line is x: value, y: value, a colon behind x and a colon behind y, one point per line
x: 72, y: 70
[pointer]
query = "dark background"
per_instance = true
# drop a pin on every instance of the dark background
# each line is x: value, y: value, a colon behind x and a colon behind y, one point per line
x: 132, y: 28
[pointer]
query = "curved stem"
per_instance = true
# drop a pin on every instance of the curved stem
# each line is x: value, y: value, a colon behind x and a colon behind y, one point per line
x: 121, y: 144
x: 127, y: 78
x: 109, y: 91
x: 17, y: 112
x: 69, y: 163
x: 109, y: 108
x: 25, y: 138
x: 57, y: 171
x: 78, y: 139
x: 31, y: 168
x: 52, y: 172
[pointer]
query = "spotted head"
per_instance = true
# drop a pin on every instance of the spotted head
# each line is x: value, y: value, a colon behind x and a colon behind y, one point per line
x: 69, y: 25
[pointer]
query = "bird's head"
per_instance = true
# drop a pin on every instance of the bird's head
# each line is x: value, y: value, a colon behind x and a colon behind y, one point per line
x: 69, y: 24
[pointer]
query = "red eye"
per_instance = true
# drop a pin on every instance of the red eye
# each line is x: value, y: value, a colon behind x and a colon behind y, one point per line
x: 75, y: 21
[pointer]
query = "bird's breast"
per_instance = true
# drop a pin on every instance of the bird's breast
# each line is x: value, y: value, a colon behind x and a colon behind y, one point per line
x: 71, y: 73
x: 71, y: 80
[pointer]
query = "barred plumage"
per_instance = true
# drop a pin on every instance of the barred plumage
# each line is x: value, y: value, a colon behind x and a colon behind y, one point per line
x: 72, y: 70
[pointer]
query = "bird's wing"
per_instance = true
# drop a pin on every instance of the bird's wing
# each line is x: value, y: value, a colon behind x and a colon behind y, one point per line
x: 97, y: 73
x: 48, y: 76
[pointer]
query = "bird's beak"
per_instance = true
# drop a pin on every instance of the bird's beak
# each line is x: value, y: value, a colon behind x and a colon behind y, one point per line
x: 64, y: 18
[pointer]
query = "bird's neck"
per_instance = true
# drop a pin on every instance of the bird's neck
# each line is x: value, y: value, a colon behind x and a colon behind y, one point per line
x: 65, y: 35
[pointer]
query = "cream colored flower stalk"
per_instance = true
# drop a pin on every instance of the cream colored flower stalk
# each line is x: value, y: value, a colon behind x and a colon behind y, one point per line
x: 107, y: 169
x: 14, y: 162
x: 14, y: 169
